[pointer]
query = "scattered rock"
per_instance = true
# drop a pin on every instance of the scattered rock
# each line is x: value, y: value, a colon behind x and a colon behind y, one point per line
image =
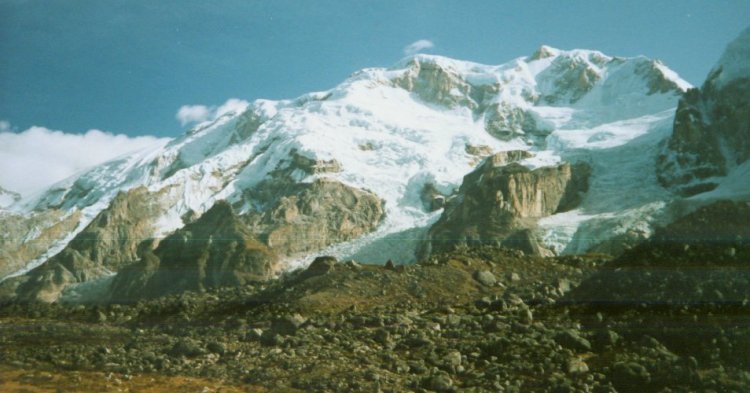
x: 629, y: 376
x: 186, y: 347
x: 216, y: 347
x: 485, y: 278
x: 287, y: 325
x: 577, y: 366
x: 320, y: 266
x: 606, y: 337
x: 572, y: 340
x: 452, y: 359
x: 439, y: 383
x: 254, y: 334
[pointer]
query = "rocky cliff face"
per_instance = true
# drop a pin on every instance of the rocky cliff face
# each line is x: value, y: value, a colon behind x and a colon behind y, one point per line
x: 500, y: 201
x: 440, y: 84
x: 107, y: 244
x: 310, y: 216
x: 216, y: 250
x: 26, y: 238
x: 712, y: 126
x: 224, y: 249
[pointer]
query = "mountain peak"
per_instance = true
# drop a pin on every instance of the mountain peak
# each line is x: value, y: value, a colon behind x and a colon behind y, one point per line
x: 422, y: 60
x: 735, y: 62
x: 544, y: 52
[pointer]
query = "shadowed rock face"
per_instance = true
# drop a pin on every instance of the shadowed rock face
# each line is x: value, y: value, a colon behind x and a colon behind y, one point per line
x: 701, y: 258
x: 219, y: 249
x: 501, y: 200
x: 711, y: 132
x: 216, y: 250
x: 711, y: 135
x: 223, y: 249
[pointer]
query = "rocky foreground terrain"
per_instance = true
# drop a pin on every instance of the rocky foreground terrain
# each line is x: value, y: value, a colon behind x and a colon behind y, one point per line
x: 669, y: 315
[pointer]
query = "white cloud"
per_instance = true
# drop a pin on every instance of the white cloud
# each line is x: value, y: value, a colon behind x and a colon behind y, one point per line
x: 4, y: 126
x: 192, y: 114
x: 417, y: 46
x: 36, y: 158
x: 189, y: 114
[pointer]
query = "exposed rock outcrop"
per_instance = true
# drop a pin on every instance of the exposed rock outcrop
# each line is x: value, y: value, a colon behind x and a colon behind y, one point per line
x: 294, y: 217
x: 578, y: 77
x: 437, y: 83
x: 711, y: 127
x: 25, y: 238
x: 312, y: 166
x: 108, y: 243
x: 310, y: 216
x: 216, y: 250
x: 506, y: 122
x: 112, y: 238
x: 224, y: 249
x: 500, y: 201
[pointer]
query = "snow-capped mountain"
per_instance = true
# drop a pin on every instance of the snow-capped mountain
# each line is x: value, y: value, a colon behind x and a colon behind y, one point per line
x: 394, y: 133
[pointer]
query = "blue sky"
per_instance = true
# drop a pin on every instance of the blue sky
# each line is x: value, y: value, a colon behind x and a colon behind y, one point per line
x: 127, y: 66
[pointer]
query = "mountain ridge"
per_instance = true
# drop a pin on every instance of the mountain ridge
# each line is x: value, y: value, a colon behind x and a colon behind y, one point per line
x: 421, y: 124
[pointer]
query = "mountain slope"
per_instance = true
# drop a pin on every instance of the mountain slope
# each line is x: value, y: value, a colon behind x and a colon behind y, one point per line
x: 711, y: 136
x: 420, y: 125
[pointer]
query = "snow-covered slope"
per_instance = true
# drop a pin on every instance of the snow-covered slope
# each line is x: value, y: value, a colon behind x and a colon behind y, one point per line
x: 735, y: 61
x: 8, y: 198
x: 422, y: 121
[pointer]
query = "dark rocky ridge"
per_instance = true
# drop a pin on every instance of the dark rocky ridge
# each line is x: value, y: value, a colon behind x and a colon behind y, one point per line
x: 711, y: 133
x: 224, y: 249
x: 216, y: 250
x: 701, y: 258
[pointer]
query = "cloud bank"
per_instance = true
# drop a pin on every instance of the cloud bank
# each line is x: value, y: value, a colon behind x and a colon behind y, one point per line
x: 38, y: 157
x: 190, y: 114
x: 417, y: 46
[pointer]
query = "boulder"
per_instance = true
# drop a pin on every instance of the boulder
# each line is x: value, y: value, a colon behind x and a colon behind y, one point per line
x: 485, y: 278
x: 321, y: 265
x: 287, y: 325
